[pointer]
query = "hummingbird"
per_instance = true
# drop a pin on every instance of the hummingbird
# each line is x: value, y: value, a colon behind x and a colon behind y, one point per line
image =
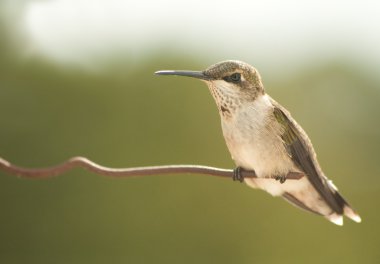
x: 263, y: 137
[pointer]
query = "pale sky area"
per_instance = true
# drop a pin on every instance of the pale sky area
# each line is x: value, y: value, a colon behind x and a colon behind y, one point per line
x: 279, y: 33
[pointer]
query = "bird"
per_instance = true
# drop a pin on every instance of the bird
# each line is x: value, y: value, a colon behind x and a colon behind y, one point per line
x: 262, y: 136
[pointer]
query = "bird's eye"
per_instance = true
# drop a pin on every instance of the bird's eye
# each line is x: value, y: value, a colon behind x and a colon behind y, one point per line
x: 234, y: 78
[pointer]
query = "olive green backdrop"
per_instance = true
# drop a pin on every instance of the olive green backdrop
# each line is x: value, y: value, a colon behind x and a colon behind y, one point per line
x: 124, y: 116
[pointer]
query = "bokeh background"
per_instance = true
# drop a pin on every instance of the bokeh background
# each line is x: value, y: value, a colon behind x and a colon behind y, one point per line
x: 76, y: 78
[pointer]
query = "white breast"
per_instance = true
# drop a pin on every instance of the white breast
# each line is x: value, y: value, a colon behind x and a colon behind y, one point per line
x: 253, y: 138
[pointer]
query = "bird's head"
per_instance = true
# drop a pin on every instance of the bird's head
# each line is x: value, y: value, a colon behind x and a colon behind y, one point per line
x: 231, y: 83
x: 227, y: 80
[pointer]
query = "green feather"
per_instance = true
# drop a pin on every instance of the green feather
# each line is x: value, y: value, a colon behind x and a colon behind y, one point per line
x: 289, y: 136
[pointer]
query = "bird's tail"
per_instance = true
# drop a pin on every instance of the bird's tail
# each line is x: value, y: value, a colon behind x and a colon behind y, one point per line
x: 347, y: 211
x: 335, y: 218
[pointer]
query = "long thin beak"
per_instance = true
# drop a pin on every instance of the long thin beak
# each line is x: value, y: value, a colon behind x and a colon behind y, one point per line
x: 194, y: 74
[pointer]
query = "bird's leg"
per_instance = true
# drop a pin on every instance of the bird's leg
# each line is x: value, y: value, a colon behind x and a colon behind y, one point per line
x: 281, y: 178
x: 238, y: 176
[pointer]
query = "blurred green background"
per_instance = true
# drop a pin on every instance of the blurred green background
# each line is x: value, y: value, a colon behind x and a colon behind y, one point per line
x: 113, y: 110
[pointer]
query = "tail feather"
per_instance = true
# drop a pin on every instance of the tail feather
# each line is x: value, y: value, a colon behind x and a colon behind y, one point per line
x: 335, y: 218
x: 294, y: 201
x: 347, y: 210
x: 350, y: 213
x: 338, y: 218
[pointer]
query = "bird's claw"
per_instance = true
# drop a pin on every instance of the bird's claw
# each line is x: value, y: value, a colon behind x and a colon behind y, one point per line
x: 281, y: 178
x: 238, y: 176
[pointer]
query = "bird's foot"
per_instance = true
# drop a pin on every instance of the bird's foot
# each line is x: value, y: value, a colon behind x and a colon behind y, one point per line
x: 281, y: 178
x: 238, y: 176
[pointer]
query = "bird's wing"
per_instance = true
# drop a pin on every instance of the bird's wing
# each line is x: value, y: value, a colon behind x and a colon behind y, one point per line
x: 297, y: 145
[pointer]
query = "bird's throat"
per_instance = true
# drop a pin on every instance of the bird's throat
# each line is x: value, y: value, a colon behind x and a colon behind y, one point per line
x: 226, y: 101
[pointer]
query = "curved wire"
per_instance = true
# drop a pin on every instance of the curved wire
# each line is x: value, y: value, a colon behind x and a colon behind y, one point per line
x: 85, y: 163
